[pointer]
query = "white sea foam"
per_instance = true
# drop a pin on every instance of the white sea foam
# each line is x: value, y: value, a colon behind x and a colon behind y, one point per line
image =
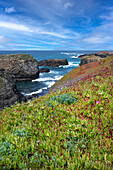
x: 53, y: 72
x: 43, y: 79
x: 70, y: 64
x: 47, y: 79
x: 50, y: 83
x: 58, y: 77
x: 76, y: 56
x: 35, y: 92
x: 70, y: 53
x: 44, y: 88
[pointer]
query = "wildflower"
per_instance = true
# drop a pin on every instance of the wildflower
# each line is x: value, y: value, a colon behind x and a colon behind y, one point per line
x: 97, y: 102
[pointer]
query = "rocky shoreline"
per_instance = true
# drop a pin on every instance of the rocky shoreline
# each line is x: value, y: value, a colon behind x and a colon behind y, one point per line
x: 23, y: 67
x: 89, y: 58
x: 20, y: 67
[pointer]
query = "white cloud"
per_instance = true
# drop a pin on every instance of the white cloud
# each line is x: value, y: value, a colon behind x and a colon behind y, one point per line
x: 53, y: 34
x: 68, y: 4
x: 25, y: 45
x: 14, y: 26
x: 10, y: 10
x: 25, y: 29
x: 97, y: 39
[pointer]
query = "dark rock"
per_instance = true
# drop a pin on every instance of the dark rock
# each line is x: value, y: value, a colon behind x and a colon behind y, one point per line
x: 29, y: 97
x: 44, y: 70
x: 53, y: 62
x: 22, y: 66
x: 9, y: 94
x: 32, y: 96
x: 89, y: 58
x: 35, y: 95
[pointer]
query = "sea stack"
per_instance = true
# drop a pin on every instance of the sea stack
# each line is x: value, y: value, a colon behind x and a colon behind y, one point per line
x: 53, y: 62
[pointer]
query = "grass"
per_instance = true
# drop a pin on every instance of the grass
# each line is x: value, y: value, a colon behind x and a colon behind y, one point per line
x: 17, y: 56
x: 68, y: 129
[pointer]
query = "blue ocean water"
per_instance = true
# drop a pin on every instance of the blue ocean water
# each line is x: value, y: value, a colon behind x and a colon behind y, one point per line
x: 41, y: 85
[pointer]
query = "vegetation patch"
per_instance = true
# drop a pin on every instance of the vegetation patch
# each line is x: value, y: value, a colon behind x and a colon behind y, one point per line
x: 67, y: 135
x: 62, y: 99
x: 17, y: 56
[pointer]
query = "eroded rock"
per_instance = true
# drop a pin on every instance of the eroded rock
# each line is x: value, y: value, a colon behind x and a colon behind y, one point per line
x: 53, y: 62
x: 22, y: 66
x: 89, y: 58
x: 9, y: 94
x: 44, y: 70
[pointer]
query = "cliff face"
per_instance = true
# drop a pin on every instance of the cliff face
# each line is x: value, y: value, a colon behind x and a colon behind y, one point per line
x: 89, y: 58
x: 22, y: 66
x: 8, y: 92
x: 18, y: 67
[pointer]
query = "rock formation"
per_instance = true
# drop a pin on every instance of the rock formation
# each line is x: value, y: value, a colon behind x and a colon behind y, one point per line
x: 8, y: 92
x: 22, y: 66
x: 53, y: 62
x: 44, y: 70
x: 89, y: 58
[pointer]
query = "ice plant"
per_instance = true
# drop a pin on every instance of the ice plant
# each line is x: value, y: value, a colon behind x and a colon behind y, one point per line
x: 68, y: 132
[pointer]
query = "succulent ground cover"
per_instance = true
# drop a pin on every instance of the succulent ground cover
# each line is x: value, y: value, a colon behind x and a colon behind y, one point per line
x: 67, y: 129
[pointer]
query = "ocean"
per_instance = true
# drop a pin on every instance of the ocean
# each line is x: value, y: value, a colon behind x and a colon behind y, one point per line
x: 41, y: 85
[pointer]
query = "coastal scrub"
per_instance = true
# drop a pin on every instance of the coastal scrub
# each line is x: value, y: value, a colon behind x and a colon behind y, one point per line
x: 49, y: 133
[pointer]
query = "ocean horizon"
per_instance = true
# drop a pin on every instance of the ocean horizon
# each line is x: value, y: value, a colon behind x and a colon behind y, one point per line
x: 41, y: 85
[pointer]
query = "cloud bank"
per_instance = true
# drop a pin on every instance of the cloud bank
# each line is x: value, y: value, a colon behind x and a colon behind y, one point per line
x: 56, y: 24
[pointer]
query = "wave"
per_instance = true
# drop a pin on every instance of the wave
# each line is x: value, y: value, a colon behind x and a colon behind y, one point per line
x: 43, y: 79
x: 70, y: 64
x: 35, y: 92
x: 54, y: 72
x: 50, y: 83
x: 68, y: 53
x: 47, y: 79
x: 76, y: 56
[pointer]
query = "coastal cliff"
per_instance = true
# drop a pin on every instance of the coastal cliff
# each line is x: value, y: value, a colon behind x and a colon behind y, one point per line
x: 89, y: 58
x: 18, y: 67
x: 9, y: 94
x: 23, y: 67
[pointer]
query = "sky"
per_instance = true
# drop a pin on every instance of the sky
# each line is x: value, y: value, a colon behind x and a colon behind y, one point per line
x: 56, y: 24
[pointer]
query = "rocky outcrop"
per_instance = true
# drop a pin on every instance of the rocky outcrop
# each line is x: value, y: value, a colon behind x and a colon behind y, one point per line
x: 44, y: 70
x: 53, y: 62
x: 22, y: 66
x: 9, y: 94
x: 89, y: 58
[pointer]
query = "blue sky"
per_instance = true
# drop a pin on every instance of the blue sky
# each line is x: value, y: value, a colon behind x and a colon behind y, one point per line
x: 56, y: 24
